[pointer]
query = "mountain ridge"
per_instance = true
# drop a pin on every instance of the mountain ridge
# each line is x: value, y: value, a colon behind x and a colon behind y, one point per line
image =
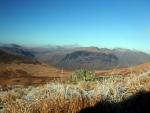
x: 82, y: 57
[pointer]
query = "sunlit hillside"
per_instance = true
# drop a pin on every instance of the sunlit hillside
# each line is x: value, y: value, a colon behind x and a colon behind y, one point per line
x: 57, y: 97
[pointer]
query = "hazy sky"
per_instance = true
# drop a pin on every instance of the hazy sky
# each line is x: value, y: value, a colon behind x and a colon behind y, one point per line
x: 103, y: 23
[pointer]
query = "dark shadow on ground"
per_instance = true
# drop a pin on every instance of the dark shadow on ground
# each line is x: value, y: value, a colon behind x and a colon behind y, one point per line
x: 138, y: 103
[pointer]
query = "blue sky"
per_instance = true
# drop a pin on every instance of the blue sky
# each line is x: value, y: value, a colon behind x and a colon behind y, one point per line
x: 102, y: 23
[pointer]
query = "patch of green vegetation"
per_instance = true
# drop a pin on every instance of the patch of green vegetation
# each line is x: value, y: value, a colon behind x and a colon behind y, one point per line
x: 82, y: 75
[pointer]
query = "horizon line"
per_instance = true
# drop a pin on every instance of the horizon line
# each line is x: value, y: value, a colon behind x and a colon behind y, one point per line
x: 72, y: 46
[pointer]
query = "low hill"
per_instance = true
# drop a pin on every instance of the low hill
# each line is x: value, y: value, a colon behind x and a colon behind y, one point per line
x: 6, y: 57
x: 17, y: 50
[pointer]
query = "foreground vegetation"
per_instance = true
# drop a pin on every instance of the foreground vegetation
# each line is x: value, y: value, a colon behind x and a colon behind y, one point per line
x: 72, y: 96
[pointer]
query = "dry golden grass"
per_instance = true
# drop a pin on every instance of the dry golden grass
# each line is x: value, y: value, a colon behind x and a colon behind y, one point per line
x: 27, y: 74
x: 38, y: 70
x: 35, y: 74
x: 71, y: 98
x: 124, y: 71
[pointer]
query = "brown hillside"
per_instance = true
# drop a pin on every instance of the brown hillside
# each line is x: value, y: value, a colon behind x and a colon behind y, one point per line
x: 29, y: 74
x: 125, y: 71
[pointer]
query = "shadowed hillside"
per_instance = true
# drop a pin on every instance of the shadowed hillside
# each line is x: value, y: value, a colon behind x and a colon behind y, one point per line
x: 7, y: 57
x: 17, y: 50
x: 88, y: 60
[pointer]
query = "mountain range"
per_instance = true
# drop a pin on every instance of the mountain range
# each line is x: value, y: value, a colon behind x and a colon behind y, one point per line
x: 71, y: 58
